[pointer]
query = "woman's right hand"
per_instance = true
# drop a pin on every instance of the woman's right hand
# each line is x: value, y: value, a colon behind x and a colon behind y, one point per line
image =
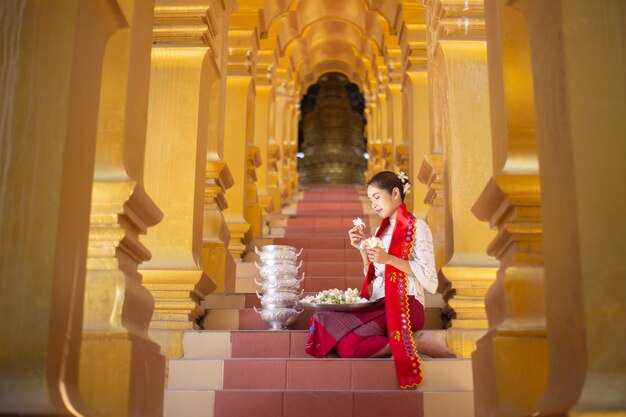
x: 356, y: 237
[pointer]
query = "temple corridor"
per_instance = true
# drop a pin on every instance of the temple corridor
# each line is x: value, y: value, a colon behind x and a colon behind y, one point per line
x: 147, y: 146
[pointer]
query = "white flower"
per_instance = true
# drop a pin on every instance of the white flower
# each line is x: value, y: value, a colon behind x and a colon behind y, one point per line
x: 403, y: 176
x: 335, y: 296
x: 406, y: 188
x: 371, y: 242
x: 358, y: 222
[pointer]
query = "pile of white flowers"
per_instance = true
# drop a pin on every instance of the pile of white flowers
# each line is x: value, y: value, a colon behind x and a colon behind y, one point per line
x: 335, y: 296
x: 371, y: 242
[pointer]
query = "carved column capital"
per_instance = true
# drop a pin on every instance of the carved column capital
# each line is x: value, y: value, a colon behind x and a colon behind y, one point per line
x: 453, y: 20
x: 243, y: 43
x: 431, y: 175
x: 177, y: 24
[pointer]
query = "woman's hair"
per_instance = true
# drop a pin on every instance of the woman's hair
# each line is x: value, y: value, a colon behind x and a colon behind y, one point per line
x: 387, y: 180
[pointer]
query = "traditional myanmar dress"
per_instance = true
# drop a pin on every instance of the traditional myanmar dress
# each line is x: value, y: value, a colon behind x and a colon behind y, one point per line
x: 400, y: 308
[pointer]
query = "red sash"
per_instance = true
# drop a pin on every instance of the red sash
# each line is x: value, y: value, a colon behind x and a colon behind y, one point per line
x: 408, y: 366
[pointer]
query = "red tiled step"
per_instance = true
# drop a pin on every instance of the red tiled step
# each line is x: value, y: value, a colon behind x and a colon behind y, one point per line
x: 248, y: 319
x: 246, y: 344
x: 315, y: 242
x: 314, y: 374
x: 334, y: 196
x: 330, y: 207
x: 231, y: 403
x: 315, y: 231
x: 331, y: 255
x: 310, y: 403
x: 343, y: 222
x: 333, y: 269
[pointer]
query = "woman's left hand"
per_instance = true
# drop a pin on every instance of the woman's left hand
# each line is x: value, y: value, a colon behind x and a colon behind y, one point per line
x: 378, y: 255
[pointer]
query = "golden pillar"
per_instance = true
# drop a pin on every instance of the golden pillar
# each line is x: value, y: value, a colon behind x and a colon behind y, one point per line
x: 416, y: 126
x: 217, y: 261
x: 116, y: 352
x: 52, y: 63
x: 254, y: 212
x: 184, y: 69
x: 464, y: 136
x: 399, y: 156
x: 287, y: 148
x: 416, y: 92
x: 510, y: 361
x: 374, y: 141
x: 279, y: 104
x: 239, y: 128
x: 293, y: 142
x: 580, y: 140
x: 386, y: 141
x: 262, y: 117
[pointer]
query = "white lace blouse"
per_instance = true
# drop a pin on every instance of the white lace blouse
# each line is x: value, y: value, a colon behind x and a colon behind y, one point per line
x: 421, y: 261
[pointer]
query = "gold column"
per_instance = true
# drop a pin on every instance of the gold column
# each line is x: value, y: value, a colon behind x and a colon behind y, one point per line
x: 374, y: 142
x: 279, y: 191
x: 217, y: 261
x: 51, y: 69
x: 580, y: 140
x: 239, y: 125
x: 416, y: 90
x: 396, y: 116
x: 510, y: 363
x: 116, y: 352
x: 253, y: 211
x: 415, y: 104
x: 295, y: 176
x: 464, y: 135
x: 395, y: 109
x: 262, y: 118
x: 386, y: 141
x: 184, y: 69
x: 287, y: 156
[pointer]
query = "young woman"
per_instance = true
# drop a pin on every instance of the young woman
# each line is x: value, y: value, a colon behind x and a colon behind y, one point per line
x: 398, y: 274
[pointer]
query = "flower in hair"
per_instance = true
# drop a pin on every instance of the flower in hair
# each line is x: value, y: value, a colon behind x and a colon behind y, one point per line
x: 405, y: 182
x: 403, y: 177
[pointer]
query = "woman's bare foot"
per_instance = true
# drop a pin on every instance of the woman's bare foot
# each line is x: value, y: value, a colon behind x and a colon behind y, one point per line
x: 429, y: 345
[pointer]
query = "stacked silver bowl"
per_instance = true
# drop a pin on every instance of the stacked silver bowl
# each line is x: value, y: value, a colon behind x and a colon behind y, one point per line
x: 280, y: 285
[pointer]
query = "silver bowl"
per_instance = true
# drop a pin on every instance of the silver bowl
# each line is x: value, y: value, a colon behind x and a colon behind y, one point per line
x: 284, y: 270
x: 278, y: 253
x: 278, y: 318
x: 289, y: 284
x: 279, y: 299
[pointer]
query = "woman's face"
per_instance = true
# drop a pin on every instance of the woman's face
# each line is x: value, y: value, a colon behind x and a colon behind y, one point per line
x: 383, y: 203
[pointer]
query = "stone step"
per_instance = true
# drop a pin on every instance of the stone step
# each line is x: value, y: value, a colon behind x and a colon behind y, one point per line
x: 339, y: 242
x: 313, y: 374
x: 201, y: 344
x: 339, y: 403
x: 314, y: 231
x: 282, y: 403
x: 330, y: 196
x: 248, y: 319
